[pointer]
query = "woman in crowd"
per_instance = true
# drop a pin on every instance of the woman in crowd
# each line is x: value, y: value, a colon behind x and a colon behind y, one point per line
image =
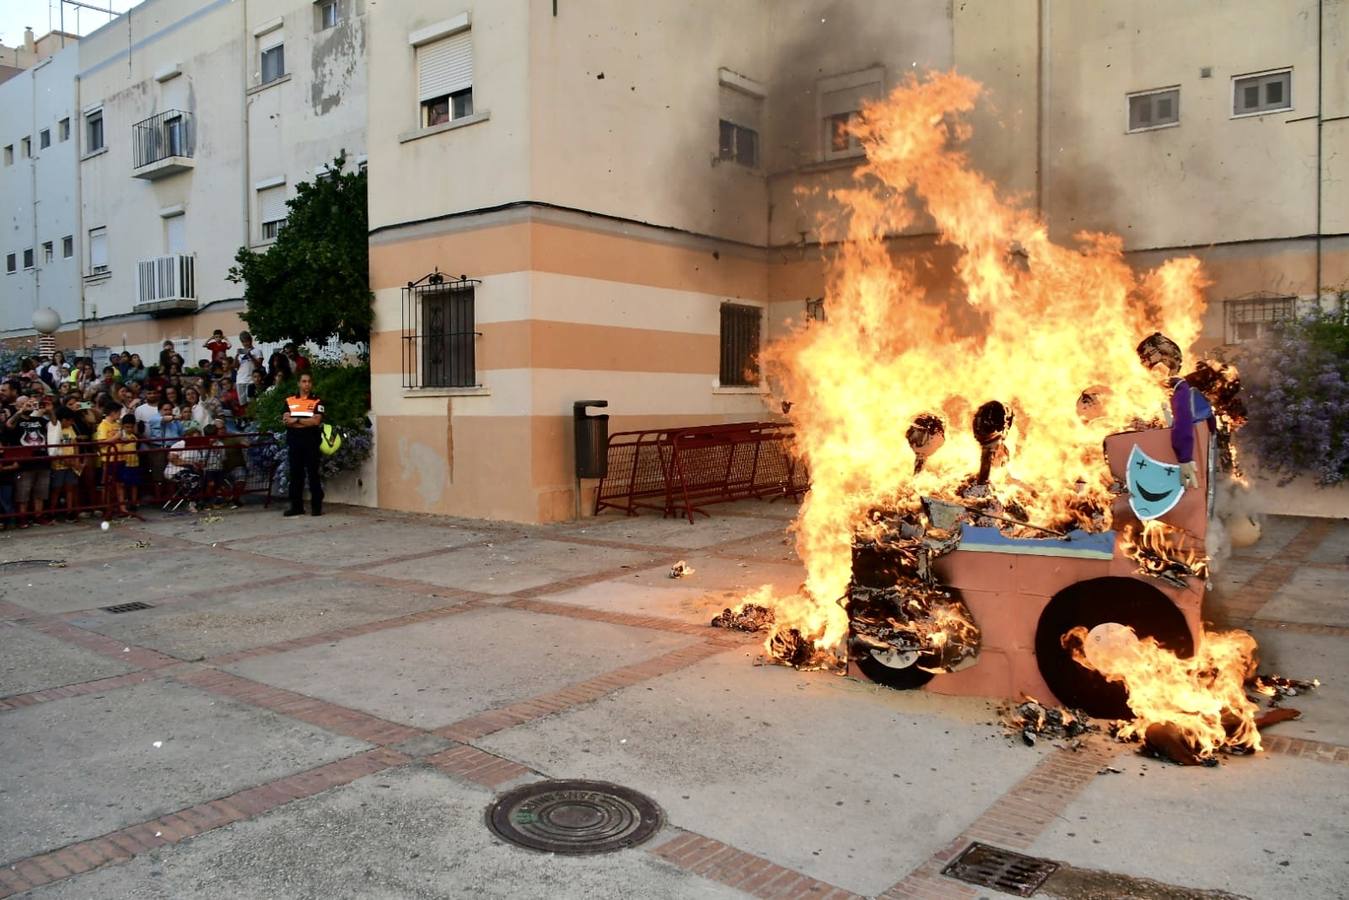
x: 135, y: 369
x: 194, y: 409
x: 278, y: 368
x: 173, y: 396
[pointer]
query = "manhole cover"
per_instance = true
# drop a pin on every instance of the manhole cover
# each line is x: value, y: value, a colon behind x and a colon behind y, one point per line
x: 1002, y: 869
x: 126, y: 607
x: 574, y: 817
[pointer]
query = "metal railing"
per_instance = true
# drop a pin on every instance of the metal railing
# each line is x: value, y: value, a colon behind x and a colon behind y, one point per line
x: 171, y: 133
x: 166, y: 279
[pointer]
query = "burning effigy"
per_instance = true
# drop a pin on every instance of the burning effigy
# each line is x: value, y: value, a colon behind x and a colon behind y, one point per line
x: 1009, y: 493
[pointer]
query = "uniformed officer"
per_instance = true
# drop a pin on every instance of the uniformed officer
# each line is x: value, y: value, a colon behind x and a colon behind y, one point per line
x: 304, y: 430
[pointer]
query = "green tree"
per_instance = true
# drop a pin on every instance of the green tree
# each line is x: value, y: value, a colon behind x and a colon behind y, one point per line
x: 313, y: 282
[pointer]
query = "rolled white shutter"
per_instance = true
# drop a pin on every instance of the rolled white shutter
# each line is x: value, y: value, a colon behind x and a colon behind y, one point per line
x: 848, y: 99
x: 176, y: 226
x: 272, y: 203
x: 98, y: 248
x: 445, y: 66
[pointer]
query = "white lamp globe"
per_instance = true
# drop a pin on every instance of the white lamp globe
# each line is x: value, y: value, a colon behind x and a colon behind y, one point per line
x: 46, y: 320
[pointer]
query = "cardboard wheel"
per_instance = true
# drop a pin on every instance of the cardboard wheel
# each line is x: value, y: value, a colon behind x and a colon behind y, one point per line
x: 1098, y: 602
x: 898, y: 671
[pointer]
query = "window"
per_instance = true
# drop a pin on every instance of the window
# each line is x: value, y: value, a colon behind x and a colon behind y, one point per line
x: 840, y: 101
x: 48, y: 251
x: 740, y: 344
x: 272, y: 56
x: 445, y: 78
x: 63, y: 130
x: 93, y: 131
x: 448, y: 337
x: 26, y: 145
x: 44, y: 139
x: 98, y: 251
x: 1250, y: 320
x: 815, y: 310
x: 9, y: 154
x: 739, y: 143
x: 68, y: 246
x: 175, y: 235
x: 28, y: 258
x: 272, y: 210
x: 11, y: 263
x: 326, y: 15
x: 1268, y: 92
x: 174, y: 137
x: 1154, y: 109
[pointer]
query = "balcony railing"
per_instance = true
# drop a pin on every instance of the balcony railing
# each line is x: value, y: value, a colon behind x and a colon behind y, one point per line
x: 163, y: 144
x: 166, y: 283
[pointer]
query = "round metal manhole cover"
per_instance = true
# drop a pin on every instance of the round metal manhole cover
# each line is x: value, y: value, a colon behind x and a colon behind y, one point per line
x: 574, y: 817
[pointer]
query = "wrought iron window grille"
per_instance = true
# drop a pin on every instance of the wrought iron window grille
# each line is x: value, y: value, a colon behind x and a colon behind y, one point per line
x: 171, y: 133
x: 439, y: 332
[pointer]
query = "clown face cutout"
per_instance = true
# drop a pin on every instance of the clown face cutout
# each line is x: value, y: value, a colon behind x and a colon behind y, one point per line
x: 1154, y: 487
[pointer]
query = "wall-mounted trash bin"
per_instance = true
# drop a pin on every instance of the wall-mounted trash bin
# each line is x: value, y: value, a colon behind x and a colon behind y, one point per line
x: 592, y: 440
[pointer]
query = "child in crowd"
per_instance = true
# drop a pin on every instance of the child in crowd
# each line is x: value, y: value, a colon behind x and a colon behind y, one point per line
x: 9, y: 466
x: 129, y: 469
x: 219, y: 346
x: 108, y: 435
x: 67, y: 466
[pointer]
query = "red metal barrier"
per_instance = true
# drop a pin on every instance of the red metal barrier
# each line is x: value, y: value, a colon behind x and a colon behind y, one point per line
x: 219, y: 470
x: 679, y: 471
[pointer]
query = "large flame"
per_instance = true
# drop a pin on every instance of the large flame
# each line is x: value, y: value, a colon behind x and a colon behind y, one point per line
x: 1202, y: 697
x: 1028, y: 322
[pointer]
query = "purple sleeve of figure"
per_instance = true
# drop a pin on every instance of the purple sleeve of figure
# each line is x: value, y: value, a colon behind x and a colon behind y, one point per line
x: 1182, y: 428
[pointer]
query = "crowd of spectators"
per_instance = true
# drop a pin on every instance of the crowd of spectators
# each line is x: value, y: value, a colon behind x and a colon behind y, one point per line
x: 77, y: 441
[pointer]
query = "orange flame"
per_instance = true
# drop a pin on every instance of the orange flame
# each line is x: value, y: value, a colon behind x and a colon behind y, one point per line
x: 1203, y: 697
x: 1029, y: 323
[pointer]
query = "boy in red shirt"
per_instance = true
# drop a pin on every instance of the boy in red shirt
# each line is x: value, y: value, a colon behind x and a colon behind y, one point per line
x: 218, y: 346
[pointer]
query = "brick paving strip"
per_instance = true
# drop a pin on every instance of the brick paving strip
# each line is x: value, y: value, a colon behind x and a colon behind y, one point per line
x: 1261, y: 587
x: 743, y: 871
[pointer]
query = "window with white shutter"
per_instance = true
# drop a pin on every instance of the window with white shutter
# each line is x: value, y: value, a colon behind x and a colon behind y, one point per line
x: 175, y: 234
x: 840, y: 100
x: 98, y: 251
x: 272, y: 210
x: 445, y: 78
x: 272, y: 56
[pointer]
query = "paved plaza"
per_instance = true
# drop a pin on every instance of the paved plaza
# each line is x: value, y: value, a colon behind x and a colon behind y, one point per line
x: 326, y: 707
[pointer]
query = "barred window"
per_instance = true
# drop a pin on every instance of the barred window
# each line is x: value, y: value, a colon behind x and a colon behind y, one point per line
x: 1250, y: 320
x: 740, y: 326
x: 439, y: 333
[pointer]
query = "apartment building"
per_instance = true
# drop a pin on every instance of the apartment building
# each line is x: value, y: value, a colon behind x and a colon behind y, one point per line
x: 31, y: 51
x: 607, y: 200
x: 197, y: 119
x: 38, y: 188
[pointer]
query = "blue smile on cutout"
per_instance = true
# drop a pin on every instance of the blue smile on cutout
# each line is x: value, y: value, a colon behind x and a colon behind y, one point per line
x: 1154, y: 487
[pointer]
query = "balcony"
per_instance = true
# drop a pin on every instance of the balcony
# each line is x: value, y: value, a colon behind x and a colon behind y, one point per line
x: 166, y: 284
x: 163, y: 145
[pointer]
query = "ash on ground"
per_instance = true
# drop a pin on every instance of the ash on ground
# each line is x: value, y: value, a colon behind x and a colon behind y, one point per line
x: 751, y: 617
x: 1034, y: 720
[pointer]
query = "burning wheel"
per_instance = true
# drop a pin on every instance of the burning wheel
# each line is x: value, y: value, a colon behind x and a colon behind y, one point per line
x: 1096, y: 605
x: 895, y: 669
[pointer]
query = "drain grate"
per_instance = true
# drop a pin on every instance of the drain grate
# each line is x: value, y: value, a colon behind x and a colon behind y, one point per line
x: 126, y: 607
x: 574, y: 817
x: 1002, y: 869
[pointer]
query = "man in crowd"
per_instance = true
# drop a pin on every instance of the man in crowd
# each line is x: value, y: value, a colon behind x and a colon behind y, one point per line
x: 248, y: 360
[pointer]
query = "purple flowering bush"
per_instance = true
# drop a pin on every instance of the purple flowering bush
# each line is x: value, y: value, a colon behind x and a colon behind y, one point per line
x: 1297, y: 395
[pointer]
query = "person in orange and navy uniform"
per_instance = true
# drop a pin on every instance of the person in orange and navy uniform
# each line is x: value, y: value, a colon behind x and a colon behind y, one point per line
x: 304, y: 430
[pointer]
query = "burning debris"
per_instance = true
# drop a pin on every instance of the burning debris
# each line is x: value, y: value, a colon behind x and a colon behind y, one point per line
x: 681, y: 569
x: 1277, y: 687
x: 1032, y: 720
x: 750, y: 617
x: 1164, y: 551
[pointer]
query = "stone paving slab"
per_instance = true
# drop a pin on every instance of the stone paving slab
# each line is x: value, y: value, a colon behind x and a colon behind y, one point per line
x: 1275, y: 533
x: 339, y: 844
x: 714, y: 574
x: 61, y: 542
x: 32, y: 661
x: 434, y: 673
x: 1334, y: 550
x: 680, y: 601
x: 90, y: 765
x: 1227, y: 828
x: 241, y: 617
x: 513, y: 565
x: 658, y: 532
x: 845, y: 782
x: 1325, y: 711
x: 1319, y: 596
x: 149, y: 574
x: 370, y: 544
x: 251, y: 522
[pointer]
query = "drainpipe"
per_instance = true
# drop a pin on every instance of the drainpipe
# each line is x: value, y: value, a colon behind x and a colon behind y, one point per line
x: 1041, y: 102
x: 33, y: 151
x: 1320, y: 122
